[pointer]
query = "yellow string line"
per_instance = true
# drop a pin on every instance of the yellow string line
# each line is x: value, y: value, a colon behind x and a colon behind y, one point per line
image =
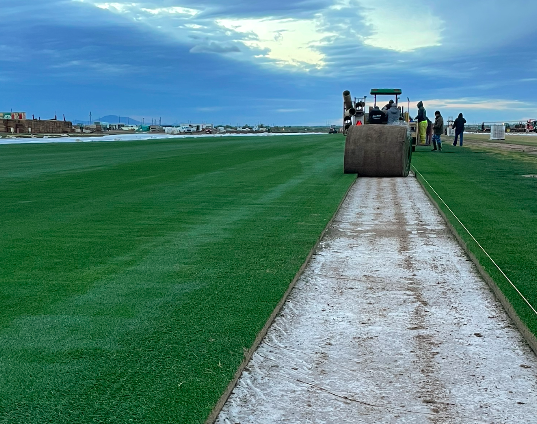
x: 474, y: 239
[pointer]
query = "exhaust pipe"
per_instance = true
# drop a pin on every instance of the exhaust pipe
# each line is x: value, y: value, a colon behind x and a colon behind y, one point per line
x: 347, y: 101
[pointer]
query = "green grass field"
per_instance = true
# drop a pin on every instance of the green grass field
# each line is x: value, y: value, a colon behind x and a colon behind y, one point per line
x: 491, y: 193
x: 133, y: 274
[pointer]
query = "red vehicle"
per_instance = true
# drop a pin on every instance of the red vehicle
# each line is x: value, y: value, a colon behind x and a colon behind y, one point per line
x: 208, y: 131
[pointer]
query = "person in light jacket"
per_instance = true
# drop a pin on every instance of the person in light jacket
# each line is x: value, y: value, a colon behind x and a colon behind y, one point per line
x: 393, y: 114
x: 458, y: 125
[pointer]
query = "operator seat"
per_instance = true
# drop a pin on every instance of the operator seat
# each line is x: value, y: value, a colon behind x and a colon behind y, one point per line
x: 377, y: 116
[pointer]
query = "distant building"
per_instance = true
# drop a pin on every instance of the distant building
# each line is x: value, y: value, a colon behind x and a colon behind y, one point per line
x: 195, y: 127
x: 16, y: 123
x: 95, y: 127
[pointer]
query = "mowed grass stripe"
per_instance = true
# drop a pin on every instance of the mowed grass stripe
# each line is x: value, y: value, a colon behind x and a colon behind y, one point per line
x: 134, y: 274
x: 487, y: 190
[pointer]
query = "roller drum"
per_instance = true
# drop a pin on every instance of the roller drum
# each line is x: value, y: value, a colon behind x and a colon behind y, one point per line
x: 378, y: 151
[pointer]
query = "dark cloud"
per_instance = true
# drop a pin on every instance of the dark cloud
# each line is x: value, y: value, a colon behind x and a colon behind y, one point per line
x: 252, y: 9
x: 214, y: 47
x: 107, y: 66
x: 71, y: 57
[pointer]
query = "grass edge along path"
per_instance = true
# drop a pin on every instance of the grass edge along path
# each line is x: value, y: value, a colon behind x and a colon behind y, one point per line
x: 437, y: 201
x: 261, y: 335
x: 476, y: 232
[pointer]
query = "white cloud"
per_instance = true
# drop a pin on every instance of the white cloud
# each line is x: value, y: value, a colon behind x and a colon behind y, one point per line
x: 171, y: 10
x: 336, y: 40
x: 115, y: 7
x: 291, y: 43
x: 472, y: 103
x: 286, y: 41
x: 136, y: 7
x: 403, y: 26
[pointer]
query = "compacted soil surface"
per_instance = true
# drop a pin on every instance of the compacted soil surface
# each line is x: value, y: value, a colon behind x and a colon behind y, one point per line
x: 389, y: 323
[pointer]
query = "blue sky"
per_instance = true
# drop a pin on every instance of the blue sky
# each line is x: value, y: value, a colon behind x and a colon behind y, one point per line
x: 279, y: 62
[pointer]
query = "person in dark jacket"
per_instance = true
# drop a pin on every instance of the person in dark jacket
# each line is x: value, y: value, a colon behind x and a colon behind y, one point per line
x: 422, y: 122
x: 388, y: 106
x: 429, y: 132
x: 438, y: 128
x: 458, y: 125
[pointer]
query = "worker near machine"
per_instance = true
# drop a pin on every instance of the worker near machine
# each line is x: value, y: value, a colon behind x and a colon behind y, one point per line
x: 429, y: 135
x: 347, y: 123
x: 438, y: 129
x: 388, y: 106
x: 422, y: 122
x: 393, y: 114
x: 458, y: 125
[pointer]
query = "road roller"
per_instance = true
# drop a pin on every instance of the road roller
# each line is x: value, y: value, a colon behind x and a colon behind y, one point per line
x: 378, y: 143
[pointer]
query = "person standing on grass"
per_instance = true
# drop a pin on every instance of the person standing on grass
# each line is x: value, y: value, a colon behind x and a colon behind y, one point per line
x: 458, y: 125
x: 438, y: 129
x: 422, y: 122
x: 429, y: 132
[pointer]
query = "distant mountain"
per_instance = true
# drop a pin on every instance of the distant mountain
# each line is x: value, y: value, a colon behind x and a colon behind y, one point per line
x: 114, y: 119
x: 111, y: 119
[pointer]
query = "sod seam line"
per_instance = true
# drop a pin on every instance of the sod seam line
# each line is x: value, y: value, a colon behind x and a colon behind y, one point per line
x: 481, y: 247
x: 248, y: 354
x: 528, y: 335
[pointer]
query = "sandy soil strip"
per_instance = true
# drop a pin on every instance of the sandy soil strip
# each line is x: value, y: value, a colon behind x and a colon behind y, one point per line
x: 390, y: 323
x: 518, y: 148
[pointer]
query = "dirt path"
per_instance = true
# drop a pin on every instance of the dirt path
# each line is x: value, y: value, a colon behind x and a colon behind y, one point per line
x: 520, y: 148
x: 510, y: 144
x: 390, y: 323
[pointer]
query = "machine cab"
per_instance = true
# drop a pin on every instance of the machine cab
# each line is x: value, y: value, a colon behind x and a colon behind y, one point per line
x: 378, y: 115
